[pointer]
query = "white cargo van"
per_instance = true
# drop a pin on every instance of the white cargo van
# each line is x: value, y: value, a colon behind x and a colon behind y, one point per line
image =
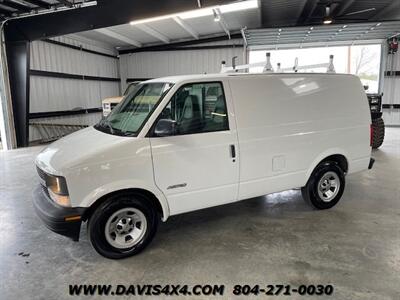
x: 179, y: 144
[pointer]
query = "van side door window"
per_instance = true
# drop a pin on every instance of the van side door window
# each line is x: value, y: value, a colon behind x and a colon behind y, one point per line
x: 198, y: 108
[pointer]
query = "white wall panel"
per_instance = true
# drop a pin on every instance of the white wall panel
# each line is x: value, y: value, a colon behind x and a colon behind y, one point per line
x: 167, y: 63
x: 90, y: 44
x: 55, y: 94
x: 55, y: 58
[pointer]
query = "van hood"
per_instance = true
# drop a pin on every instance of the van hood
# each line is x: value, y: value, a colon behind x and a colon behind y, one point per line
x: 80, y: 148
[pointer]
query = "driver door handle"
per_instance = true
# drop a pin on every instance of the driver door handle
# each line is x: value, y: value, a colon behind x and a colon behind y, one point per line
x: 233, y: 151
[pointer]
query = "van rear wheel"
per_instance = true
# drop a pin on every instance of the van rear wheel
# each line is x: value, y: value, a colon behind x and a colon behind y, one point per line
x: 325, y: 186
x: 122, y: 226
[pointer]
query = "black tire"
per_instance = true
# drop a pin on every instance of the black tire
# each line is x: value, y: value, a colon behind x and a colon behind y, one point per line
x: 378, y: 132
x: 310, y: 191
x: 98, y: 220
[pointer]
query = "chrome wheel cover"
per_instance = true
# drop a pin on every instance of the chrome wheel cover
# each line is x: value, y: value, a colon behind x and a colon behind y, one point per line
x: 328, y: 186
x: 125, y: 228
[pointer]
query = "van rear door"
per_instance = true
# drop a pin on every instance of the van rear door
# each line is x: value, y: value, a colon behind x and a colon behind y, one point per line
x: 198, y: 166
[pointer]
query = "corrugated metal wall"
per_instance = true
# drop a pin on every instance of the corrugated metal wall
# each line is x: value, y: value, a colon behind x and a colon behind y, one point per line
x: 391, y: 91
x: 55, y: 94
x: 167, y: 63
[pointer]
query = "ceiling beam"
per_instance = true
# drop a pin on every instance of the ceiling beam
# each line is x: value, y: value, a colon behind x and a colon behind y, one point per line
x: 5, y: 12
x: 104, y: 14
x: 65, y: 2
x: 39, y: 3
x: 186, y: 27
x: 153, y: 33
x: 308, y: 10
x: 341, y: 9
x: 119, y: 37
x: 222, y: 22
x: 395, y: 5
x: 164, y: 47
x: 17, y: 6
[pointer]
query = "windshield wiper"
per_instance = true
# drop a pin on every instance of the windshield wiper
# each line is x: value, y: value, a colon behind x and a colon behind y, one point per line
x: 106, y: 123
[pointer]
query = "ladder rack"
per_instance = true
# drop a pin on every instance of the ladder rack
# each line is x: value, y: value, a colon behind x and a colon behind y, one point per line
x: 268, y: 67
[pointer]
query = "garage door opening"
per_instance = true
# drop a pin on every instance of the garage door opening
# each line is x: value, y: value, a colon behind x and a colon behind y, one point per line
x: 361, y: 60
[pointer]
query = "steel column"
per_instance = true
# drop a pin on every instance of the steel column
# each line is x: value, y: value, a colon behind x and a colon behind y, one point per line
x: 18, y: 66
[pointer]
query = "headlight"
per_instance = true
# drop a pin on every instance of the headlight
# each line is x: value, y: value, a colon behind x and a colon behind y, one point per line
x: 58, y: 191
x: 62, y: 200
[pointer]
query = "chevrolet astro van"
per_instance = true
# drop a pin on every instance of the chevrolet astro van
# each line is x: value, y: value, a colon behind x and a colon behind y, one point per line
x: 183, y: 143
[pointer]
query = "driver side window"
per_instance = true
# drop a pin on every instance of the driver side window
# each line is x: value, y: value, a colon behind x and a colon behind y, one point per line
x: 197, y: 108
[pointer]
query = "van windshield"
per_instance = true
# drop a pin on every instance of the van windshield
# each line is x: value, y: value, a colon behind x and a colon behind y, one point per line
x: 128, y: 117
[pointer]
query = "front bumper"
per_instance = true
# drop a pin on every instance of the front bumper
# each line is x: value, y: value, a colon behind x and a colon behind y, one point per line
x: 54, y: 216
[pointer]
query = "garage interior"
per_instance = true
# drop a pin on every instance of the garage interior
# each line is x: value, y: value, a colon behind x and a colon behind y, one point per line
x: 60, y: 59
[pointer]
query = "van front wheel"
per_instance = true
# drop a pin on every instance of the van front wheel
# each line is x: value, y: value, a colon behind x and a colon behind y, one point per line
x: 122, y: 226
x: 325, y: 186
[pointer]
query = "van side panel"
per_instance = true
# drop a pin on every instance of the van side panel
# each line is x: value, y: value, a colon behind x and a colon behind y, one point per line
x: 288, y: 123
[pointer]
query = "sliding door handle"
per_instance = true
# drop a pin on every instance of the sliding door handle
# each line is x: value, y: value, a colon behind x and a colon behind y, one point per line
x: 233, y: 151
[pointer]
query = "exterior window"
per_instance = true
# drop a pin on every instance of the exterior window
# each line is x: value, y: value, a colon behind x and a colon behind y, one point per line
x: 197, y: 108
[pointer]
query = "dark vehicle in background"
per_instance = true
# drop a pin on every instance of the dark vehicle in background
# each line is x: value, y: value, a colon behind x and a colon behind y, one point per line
x: 378, y: 125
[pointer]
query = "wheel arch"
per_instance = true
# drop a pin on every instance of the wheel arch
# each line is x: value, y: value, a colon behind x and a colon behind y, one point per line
x: 160, y: 206
x: 337, y: 155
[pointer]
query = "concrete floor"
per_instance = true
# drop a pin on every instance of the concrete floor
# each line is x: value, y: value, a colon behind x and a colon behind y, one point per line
x: 274, y: 239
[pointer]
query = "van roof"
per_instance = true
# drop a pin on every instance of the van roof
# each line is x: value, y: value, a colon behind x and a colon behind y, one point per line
x: 180, y: 78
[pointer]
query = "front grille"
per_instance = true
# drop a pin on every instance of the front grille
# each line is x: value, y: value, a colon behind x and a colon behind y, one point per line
x: 43, y: 176
x: 46, y: 191
x: 41, y: 173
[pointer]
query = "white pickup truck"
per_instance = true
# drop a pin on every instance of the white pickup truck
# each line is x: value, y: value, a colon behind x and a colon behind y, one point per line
x: 179, y: 144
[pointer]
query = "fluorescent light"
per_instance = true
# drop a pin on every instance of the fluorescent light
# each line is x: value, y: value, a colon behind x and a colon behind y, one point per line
x: 239, y: 6
x: 202, y: 12
x: 151, y: 19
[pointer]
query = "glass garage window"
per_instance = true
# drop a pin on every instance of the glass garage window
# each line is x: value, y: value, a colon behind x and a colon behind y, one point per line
x: 361, y: 60
x: 198, y: 108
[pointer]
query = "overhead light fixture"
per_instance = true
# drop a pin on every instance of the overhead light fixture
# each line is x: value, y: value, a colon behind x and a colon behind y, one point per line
x: 151, y: 19
x: 327, y: 20
x: 243, y: 5
x: 217, y: 17
x: 202, y: 12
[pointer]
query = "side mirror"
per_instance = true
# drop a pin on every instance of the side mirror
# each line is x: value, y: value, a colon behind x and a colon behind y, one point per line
x: 165, y: 127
